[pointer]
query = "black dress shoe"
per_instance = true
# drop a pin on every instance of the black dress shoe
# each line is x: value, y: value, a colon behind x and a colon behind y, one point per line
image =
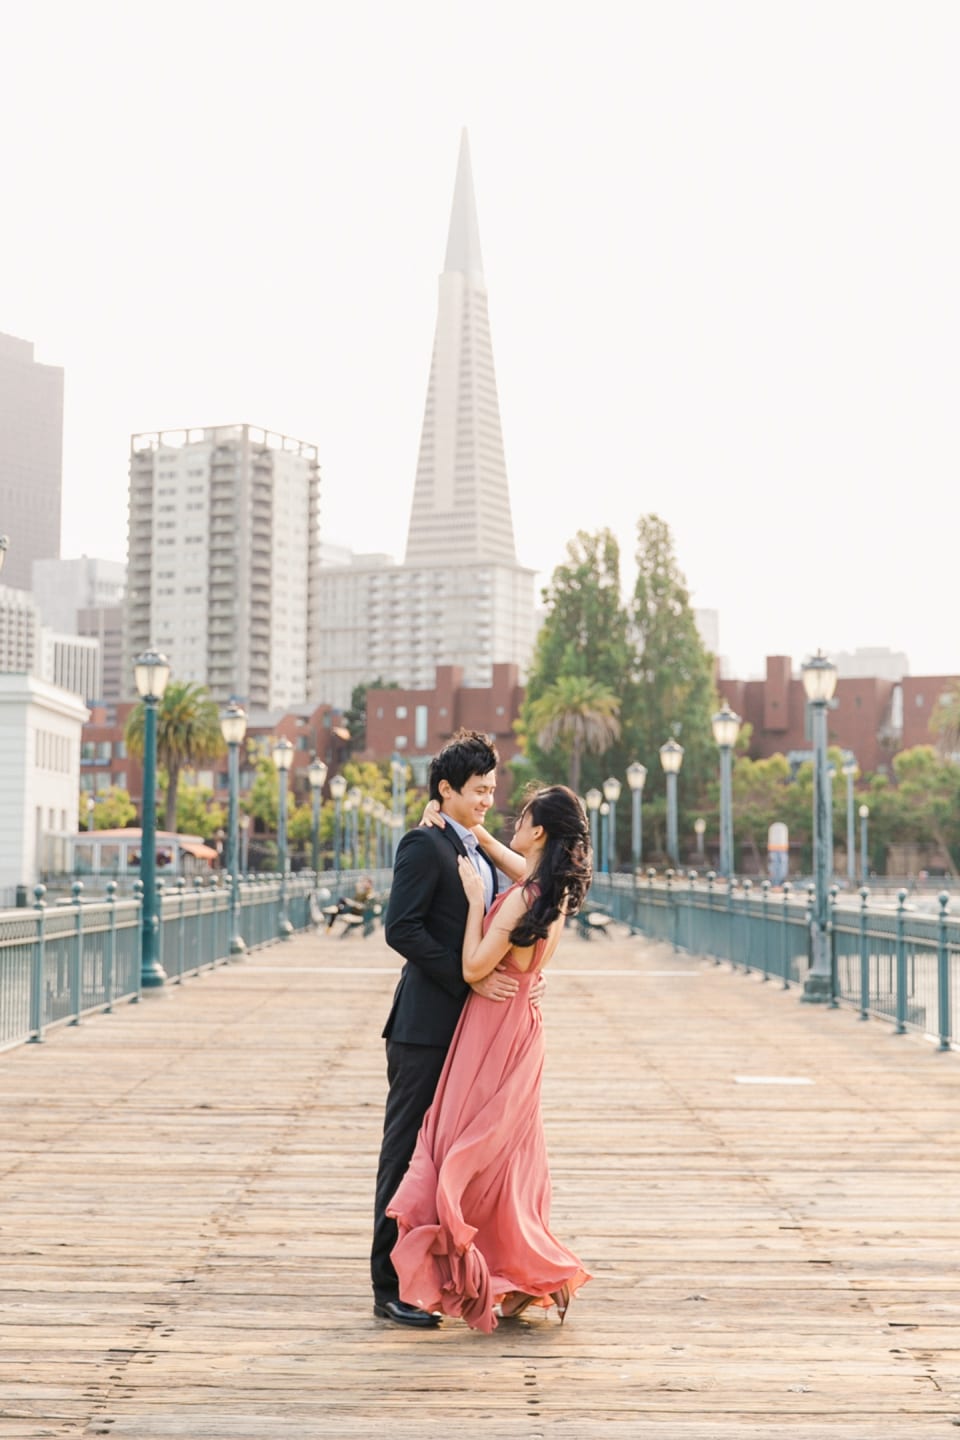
x: 403, y: 1314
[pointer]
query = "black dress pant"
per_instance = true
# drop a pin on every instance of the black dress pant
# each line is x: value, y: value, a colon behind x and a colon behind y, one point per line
x: 412, y: 1075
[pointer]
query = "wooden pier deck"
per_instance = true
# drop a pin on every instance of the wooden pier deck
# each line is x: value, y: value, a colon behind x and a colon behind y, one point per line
x: 767, y: 1194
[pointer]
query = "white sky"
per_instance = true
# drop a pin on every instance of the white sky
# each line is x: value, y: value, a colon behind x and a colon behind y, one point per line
x: 721, y: 243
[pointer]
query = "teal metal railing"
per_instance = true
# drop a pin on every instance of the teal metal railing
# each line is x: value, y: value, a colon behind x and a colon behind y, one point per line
x: 894, y: 961
x: 61, y: 962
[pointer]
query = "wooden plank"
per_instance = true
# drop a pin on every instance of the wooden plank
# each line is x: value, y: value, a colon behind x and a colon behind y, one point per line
x: 185, y: 1190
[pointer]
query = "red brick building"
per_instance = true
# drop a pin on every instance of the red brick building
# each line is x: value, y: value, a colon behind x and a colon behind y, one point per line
x: 415, y: 724
x: 873, y: 718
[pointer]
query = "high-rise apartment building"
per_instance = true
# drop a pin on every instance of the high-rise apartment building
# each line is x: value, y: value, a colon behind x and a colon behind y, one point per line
x: 31, y: 458
x: 222, y: 556
x: 460, y: 598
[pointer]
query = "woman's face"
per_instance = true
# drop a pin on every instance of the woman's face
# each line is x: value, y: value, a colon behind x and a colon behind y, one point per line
x: 527, y: 836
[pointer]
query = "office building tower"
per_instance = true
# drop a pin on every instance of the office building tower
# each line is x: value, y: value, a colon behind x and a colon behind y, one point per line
x: 31, y: 458
x: 62, y: 588
x: 222, y: 555
x: 460, y: 598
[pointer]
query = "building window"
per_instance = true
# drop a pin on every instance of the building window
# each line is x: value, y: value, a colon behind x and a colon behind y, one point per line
x: 420, y: 735
x: 919, y: 702
x: 401, y: 712
x: 400, y: 743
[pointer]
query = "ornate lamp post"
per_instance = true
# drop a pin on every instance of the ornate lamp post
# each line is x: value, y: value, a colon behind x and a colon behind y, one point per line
x: 604, y: 823
x: 726, y: 728
x: 396, y: 825
x: 338, y: 788
x: 91, y: 806
x: 636, y: 779
x: 366, y: 805
x: 316, y: 774
x: 283, y: 759
x: 864, y: 852
x: 819, y: 683
x: 850, y: 770
x: 151, y: 671
x: 594, y: 800
x: 233, y: 727
x: 671, y: 758
x: 611, y: 793
x: 700, y: 829
x: 245, y: 844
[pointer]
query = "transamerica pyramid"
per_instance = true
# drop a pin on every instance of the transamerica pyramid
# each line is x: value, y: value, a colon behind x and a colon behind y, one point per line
x: 461, y: 483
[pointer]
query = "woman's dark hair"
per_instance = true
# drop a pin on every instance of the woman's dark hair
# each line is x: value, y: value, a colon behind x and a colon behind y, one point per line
x: 467, y: 753
x: 562, y: 878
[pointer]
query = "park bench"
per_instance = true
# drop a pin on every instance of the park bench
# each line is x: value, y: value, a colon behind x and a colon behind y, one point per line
x: 593, y: 922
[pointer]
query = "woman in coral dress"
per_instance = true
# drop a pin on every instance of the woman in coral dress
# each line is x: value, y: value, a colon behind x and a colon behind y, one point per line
x: 473, y: 1210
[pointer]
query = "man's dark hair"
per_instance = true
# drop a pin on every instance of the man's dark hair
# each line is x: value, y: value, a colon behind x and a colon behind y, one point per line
x: 467, y: 753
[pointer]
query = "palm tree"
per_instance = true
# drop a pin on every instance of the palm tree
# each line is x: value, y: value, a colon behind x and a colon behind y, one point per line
x: 577, y: 712
x: 188, y: 733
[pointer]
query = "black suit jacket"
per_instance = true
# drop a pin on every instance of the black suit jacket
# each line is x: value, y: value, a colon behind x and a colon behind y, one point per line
x: 425, y: 921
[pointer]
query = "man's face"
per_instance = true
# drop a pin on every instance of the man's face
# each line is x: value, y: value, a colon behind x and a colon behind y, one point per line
x: 469, y: 805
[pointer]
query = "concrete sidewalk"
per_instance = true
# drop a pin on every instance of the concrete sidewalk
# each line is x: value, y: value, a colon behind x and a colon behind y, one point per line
x: 767, y: 1194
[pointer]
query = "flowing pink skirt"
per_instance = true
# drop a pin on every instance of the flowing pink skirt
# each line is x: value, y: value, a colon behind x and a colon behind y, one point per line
x: 473, y: 1210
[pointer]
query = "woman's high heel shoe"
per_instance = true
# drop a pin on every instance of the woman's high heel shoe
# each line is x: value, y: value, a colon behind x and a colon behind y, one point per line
x: 561, y: 1299
x: 522, y: 1301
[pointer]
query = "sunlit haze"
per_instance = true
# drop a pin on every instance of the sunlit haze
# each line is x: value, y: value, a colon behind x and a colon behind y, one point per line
x: 720, y: 244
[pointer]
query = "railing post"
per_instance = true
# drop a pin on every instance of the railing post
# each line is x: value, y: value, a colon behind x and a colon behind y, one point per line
x: 692, y: 912
x: 764, y: 902
x: 746, y: 929
x: 39, y: 959
x: 76, y: 963
x: 110, y: 962
x: 901, y: 964
x: 728, y: 927
x: 832, y: 942
x: 181, y: 927
x: 864, y: 956
x: 711, y: 877
x: 943, y: 974
x: 138, y: 897
x: 671, y: 908
x: 785, y: 936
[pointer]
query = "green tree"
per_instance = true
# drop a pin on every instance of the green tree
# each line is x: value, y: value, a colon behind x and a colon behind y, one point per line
x: 576, y: 715
x: 584, y: 635
x: 263, y: 799
x: 760, y: 797
x: 114, y: 809
x: 675, y: 693
x: 188, y: 733
x: 197, y: 811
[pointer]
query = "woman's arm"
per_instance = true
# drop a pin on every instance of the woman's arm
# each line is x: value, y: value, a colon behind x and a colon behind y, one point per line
x: 505, y: 859
x: 483, y: 953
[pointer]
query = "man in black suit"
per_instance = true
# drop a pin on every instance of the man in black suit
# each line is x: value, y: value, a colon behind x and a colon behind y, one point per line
x: 425, y: 921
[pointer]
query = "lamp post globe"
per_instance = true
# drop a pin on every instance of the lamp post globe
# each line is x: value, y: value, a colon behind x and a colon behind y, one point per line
x: 233, y: 727
x: 671, y: 758
x: 283, y: 759
x: 700, y: 829
x: 151, y: 671
x: 819, y: 683
x: 316, y: 774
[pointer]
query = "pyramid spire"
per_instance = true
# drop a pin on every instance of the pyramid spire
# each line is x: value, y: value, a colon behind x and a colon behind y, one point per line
x: 463, y: 237
x: 461, y: 486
